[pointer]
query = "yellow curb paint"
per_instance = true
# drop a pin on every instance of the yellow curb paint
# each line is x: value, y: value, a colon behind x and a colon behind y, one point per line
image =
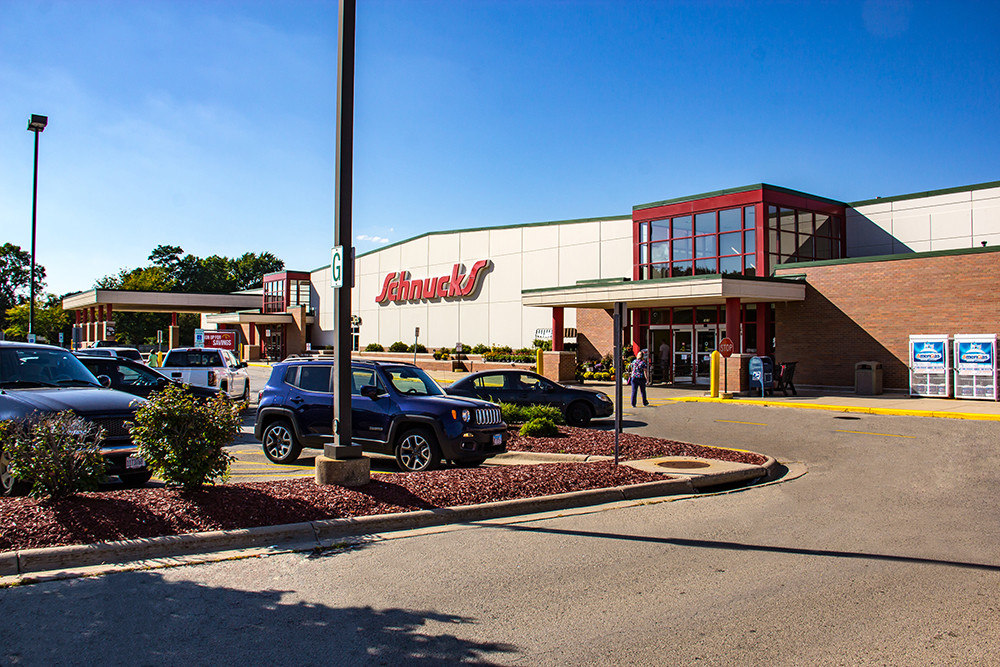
x: 887, y: 435
x: 846, y: 408
x: 730, y: 421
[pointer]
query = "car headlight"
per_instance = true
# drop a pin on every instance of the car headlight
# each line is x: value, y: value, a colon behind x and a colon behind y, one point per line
x: 604, y: 397
x: 465, y: 415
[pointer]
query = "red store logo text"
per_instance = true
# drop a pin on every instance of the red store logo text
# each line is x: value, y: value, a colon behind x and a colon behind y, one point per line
x: 398, y: 286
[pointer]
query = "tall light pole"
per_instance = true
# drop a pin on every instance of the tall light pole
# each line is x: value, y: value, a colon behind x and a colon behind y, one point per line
x: 37, y: 125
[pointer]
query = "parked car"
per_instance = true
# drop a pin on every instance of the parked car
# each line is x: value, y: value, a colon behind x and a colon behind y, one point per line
x: 108, y: 351
x: 578, y: 405
x: 396, y: 409
x: 135, y: 378
x: 208, y: 367
x: 45, y: 378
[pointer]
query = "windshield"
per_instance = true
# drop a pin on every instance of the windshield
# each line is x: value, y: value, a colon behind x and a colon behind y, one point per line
x: 410, y: 380
x: 42, y: 367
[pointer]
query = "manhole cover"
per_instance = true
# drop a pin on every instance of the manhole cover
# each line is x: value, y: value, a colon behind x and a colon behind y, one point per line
x: 683, y: 464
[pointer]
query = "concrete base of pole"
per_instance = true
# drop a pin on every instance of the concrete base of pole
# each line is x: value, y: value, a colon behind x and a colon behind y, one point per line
x: 343, y: 472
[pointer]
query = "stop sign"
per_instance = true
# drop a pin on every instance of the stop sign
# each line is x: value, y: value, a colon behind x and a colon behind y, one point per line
x: 726, y: 347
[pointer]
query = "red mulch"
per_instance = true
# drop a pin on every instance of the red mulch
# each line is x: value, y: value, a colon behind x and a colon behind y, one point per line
x: 154, y: 511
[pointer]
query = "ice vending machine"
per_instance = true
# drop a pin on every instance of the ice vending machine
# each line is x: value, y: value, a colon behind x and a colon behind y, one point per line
x: 976, y: 366
x: 930, y: 366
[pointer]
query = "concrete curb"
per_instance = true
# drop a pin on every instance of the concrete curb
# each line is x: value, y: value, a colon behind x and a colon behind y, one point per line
x: 315, y: 534
x: 840, y: 408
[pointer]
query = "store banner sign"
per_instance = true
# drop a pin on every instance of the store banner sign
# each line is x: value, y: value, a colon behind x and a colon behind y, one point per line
x: 398, y: 286
x: 976, y: 356
x: 223, y: 340
x: 928, y: 355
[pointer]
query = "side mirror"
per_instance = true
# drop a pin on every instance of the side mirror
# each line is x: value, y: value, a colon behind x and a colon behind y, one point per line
x: 104, y: 380
x: 243, y: 364
x: 371, y: 391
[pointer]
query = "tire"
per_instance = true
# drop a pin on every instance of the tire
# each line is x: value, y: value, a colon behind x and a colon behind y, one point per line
x: 279, y: 443
x: 417, y: 451
x: 135, y: 480
x: 245, y: 397
x: 578, y: 414
x: 8, y: 485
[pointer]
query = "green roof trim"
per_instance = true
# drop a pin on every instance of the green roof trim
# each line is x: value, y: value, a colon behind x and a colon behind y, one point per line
x: 617, y: 282
x: 730, y: 191
x: 928, y: 193
x: 489, y: 229
x: 888, y: 258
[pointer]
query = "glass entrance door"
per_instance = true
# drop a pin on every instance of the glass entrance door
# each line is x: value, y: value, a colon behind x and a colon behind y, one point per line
x: 705, y: 345
x: 660, y: 354
x: 683, y: 355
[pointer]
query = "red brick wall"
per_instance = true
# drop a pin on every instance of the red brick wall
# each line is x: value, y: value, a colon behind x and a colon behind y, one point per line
x: 595, y: 333
x: 866, y: 311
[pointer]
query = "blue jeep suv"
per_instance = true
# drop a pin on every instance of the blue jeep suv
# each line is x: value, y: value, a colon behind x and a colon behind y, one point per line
x: 396, y: 409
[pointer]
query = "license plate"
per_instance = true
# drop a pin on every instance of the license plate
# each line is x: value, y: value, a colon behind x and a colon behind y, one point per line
x: 133, y: 462
x: 497, y: 439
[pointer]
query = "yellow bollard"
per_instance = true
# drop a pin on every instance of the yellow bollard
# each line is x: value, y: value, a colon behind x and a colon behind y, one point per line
x: 539, y: 365
x: 716, y: 359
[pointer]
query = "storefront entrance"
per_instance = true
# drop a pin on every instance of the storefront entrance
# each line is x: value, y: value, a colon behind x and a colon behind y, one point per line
x: 687, y: 355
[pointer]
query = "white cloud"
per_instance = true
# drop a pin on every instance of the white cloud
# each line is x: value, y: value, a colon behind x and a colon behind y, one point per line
x: 373, y: 239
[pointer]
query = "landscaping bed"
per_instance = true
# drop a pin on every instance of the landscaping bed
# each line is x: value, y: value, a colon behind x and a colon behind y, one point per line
x: 154, y: 511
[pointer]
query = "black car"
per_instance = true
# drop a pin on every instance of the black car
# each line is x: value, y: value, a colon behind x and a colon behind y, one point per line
x: 45, y: 378
x: 136, y: 378
x: 396, y: 409
x: 578, y: 405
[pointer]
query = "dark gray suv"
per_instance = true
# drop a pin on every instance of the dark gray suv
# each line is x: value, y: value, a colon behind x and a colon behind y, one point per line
x: 396, y: 409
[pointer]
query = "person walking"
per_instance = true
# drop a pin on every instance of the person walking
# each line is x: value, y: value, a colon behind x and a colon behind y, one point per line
x: 637, y: 377
x: 665, y: 361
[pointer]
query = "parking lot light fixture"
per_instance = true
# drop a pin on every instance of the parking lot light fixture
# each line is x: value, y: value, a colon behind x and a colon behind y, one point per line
x: 37, y: 125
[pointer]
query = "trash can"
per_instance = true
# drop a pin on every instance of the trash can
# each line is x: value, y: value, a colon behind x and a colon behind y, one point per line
x: 868, y: 378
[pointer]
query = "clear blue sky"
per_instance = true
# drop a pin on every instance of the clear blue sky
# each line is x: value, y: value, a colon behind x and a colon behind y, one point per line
x: 211, y: 125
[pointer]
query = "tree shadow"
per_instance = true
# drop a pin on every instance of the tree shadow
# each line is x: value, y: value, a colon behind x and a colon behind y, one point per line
x: 142, y: 617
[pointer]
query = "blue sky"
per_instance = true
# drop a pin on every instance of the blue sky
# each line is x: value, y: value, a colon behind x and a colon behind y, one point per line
x: 211, y: 125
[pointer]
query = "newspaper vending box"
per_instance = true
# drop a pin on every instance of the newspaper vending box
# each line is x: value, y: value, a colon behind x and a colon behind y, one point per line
x: 930, y: 366
x: 976, y: 366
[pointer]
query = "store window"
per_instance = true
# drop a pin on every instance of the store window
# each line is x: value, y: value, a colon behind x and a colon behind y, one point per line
x: 707, y: 243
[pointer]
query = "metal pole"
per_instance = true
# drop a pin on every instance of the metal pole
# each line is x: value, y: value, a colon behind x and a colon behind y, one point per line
x: 619, y: 318
x: 342, y: 447
x: 31, y: 289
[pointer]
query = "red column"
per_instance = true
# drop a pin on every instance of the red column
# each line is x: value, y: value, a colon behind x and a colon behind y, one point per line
x: 557, y: 329
x: 763, y: 314
x: 173, y: 319
x: 78, y: 317
x: 108, y: 312
x: 100, y: 314
x: 733, y: 322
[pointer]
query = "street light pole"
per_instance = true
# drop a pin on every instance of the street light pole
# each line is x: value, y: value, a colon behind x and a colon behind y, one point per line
x: 37, y: 125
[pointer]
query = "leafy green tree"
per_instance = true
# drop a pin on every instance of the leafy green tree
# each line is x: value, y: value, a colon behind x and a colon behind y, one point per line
x: 50, y: 319
x: 15, y: 278
x: 249, y: 270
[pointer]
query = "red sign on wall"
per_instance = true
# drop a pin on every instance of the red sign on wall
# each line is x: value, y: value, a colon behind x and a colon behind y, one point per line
x: 398, y: 286
x: 222, y: 340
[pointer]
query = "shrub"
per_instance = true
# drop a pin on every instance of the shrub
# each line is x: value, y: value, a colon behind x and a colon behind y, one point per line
x: 182, y: 438
x: 544, y: 344
x: 57, y: 454
x: 398, y: 346
x: 518, y: 414
x: 480, y: 349
x: 374, y: 347
x: 443, y: 354
x: 539, y: 427
x: 420, y: 348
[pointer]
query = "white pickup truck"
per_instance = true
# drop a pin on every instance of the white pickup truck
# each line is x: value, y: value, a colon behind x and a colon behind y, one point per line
x: 208, y: 367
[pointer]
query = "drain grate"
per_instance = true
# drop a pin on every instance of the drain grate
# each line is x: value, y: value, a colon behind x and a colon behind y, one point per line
x: 678, y: 465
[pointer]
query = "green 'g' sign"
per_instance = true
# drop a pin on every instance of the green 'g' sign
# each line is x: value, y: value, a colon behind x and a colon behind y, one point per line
x: 337, y: 267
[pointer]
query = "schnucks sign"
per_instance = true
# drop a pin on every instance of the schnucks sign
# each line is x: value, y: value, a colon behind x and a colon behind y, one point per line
x: 398, y: 286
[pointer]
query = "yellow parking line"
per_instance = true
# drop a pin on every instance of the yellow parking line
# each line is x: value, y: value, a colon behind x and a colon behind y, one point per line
x: 887, y: 435
x: 730, y: 421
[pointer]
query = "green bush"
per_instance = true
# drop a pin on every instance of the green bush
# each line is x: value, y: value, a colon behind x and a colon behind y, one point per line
x: 420, y: 348
x: 544, y: 344
x: 57, y: 454
x: 182, y: 438
x: 442, y: 354
x: 374, y: 347
x: 519, y: 414
x: 399, y: 346
x: 539, y: 427
x: 480, y: 349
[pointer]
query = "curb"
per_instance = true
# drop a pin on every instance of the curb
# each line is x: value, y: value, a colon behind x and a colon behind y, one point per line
x: 841, y: 408
x: 314, y: 534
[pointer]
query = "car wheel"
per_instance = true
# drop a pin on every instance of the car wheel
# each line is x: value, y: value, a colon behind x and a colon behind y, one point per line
x: 417, y: 451
x: 9, y: 486
x: 246, y: 393
x: 280, y: 445
x: 578, y: 414
x: 135, y: 480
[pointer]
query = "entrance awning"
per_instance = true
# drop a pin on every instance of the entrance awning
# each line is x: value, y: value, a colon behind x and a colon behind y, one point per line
x: 160, y: 302
x: 666, y: 292
x: 255, y: 317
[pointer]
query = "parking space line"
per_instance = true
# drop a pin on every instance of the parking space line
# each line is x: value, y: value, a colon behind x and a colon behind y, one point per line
x: 887, y: 435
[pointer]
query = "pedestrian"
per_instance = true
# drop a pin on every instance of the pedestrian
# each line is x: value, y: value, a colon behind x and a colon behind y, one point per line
x: 637, y: 377
x: 665, y: 361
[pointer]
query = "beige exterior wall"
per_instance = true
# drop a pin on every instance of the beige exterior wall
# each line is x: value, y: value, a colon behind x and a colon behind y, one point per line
x: 531, y: 256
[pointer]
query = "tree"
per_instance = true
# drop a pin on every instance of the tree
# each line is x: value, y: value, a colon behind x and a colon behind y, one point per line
x: 50, y: 319
x: 15, y: 278
x: 249, y: 270
x: 139, y: 328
